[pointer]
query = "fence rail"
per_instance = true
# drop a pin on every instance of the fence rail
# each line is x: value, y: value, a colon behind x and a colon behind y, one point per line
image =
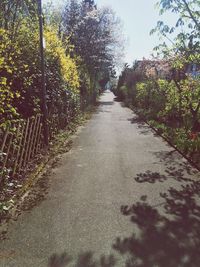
x: 21, y: 142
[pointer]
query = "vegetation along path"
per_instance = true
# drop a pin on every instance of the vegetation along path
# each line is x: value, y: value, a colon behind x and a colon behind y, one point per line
x: 120, y: 197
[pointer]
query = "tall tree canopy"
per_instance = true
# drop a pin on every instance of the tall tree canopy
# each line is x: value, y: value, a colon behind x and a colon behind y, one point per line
x: 92, y: 31
x: 186, y: 31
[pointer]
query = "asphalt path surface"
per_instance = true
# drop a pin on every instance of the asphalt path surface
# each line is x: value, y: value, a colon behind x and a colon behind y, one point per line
x: 120, y: 197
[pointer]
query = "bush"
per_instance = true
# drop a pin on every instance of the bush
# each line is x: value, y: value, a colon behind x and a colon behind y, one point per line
x: 171, y: 106
x: 123, y: 92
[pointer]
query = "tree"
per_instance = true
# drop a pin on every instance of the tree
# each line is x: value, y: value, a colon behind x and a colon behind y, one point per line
x: 186, y: 29
x: 185, y: 50
x: 13, y: 12
x: 92, y: 33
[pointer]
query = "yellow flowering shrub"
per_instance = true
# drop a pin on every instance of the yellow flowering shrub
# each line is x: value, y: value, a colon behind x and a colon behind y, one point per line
x: 7, y: 68
x: 20, y: 73
x: 56, y: 51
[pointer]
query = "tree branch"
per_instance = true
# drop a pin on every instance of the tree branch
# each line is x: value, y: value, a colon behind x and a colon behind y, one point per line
x: 191, y: 14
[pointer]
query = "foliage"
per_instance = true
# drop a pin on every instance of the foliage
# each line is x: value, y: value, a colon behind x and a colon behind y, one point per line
x: 62, y: 73
x: 79, y: 53
x: 168, y: 93
x: 186, y: 29
x: 93, y: 33
x: 129, y: 79
x: 171, y: 106
x: 55, y: 52
x: 8, y: 55
x: 21, y: 76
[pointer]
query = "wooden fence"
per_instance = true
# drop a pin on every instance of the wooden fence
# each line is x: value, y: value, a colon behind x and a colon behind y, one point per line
x: 20, y: 143
x: 23, y: 140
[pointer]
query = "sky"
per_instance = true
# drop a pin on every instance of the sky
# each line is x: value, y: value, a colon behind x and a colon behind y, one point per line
x: 138, y: 18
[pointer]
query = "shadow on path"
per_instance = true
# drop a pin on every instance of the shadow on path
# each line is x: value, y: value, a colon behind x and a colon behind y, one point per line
x: 142, y: 126
x: 168, y: 240
x: 84, y: 260
x: 169, y: 233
